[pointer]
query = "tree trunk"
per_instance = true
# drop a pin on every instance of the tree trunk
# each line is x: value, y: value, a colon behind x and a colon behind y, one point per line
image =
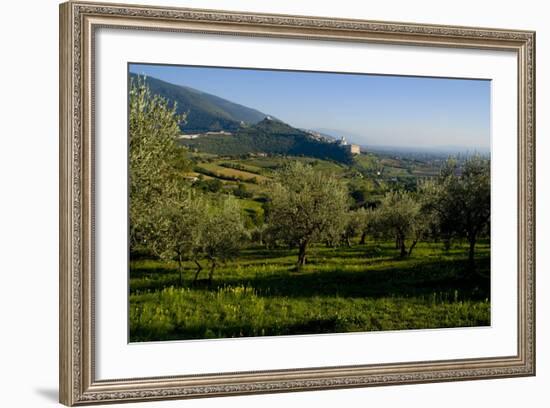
x: 403, y: 249
x: 199, y: 269
x: 363, y: 237
x: 180, y: 269
x: 211, y: 273
x: 302, y: 255
x: 412, y: 247
x: 403, y: 252
x: 471, y: 254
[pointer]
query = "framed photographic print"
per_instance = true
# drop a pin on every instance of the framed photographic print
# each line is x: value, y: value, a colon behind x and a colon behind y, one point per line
x: 256, y: 203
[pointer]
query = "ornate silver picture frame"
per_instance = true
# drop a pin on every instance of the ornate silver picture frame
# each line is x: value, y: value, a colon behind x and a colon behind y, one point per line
x: 79, y: 23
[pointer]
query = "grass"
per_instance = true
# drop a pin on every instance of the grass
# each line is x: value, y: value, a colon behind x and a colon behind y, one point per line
x: 362, y: 288
x: 389, y: 171
x: 368, y: 161
x: 229, y: 172
x: 251, y: 205
x: 245, y: 167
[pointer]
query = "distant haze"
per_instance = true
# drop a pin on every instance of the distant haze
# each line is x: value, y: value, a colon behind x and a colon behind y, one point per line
x: 370, y: 110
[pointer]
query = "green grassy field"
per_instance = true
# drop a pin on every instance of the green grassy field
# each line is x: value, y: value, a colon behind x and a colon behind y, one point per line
x: 361, y: 288
x: 228, y: 172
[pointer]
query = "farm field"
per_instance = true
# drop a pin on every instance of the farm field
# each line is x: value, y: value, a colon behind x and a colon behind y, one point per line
x: 360, y: 288
x: 221, y: 171
x: 368, y: 171
x: 254, y: 172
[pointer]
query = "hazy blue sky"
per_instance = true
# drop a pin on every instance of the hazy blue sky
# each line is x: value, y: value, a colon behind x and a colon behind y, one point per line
x: 368, y: 109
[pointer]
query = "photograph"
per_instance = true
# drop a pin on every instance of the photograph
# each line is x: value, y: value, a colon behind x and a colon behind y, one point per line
x: 278, y: 202
x: 258, y: 201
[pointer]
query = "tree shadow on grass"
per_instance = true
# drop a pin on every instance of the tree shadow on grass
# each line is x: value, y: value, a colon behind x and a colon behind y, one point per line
x: 447, y: 279
x: 137, y: 272
x: 339, y: 252
x: 262, y: 253
x: 327, y: 325
x: 365, y: 278
x: 221, y: 330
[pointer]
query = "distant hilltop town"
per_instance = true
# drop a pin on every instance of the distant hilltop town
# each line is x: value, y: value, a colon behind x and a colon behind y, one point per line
x: 342, y: 142
x: 352, y: 148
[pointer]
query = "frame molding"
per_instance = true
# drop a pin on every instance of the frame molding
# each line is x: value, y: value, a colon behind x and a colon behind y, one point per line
x: 78, y: 21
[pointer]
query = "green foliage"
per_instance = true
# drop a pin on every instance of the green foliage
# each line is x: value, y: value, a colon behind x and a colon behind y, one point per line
x: 306, y: 207
x: 166, y: 216
x: 362, y: 221
x: 222, y: 231
x: 154, y: 159
x: 400, y: 216
x: 359, y: 194
x: 181, y: 162
x: 242, y: 192
x: 459, y: 200
x: 179, y: 225
x: 211, y: 185
x: 353, y: 225
x: 269, y: 136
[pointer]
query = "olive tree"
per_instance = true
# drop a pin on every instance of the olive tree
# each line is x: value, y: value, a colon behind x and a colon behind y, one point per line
x: 153, y: 153
x: 400, y: 216
x: 364, y: 218
x: 178, y: 229
x: 223, y: 232
x: 305, y: 207
x: 461, y: 199
x: 356, y: 223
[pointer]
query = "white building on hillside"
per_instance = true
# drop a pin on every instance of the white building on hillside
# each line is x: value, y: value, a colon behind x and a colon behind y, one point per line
x: 352, y: 148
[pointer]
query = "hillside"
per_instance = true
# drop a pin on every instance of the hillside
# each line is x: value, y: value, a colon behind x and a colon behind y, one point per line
x: 206, y: 112
x: 248, y: 130
x: 272, y: 137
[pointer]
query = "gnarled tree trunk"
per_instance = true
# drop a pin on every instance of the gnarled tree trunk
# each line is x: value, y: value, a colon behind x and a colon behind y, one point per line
x: 180, y: 269
x: 212, y: 268
x: 471, y: 253
x: 301, y: 255
x: 199, y: 269
x: 403, y: 249
x: 412, y: 247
